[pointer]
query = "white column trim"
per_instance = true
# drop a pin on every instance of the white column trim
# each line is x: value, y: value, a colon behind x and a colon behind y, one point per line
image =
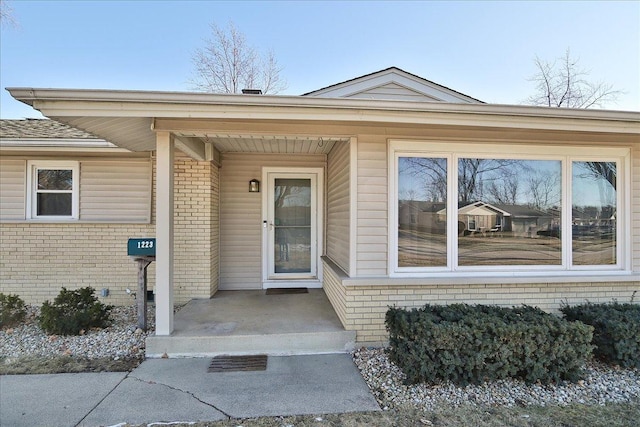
x: 165, y: 151
x: 353, y: 208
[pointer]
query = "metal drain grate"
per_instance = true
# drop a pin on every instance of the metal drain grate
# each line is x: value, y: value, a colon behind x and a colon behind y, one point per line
x: 238, y: 363
x: 283, y: 291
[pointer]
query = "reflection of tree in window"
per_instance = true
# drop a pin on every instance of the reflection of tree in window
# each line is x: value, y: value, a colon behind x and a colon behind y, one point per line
x: 430, y: 173
x: 543, y: 189
x: 604, y: 170
x: 55, y: 179
x: 496, y: 174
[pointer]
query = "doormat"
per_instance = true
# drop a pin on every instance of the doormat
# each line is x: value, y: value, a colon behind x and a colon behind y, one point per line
x: 238, y: 363
x: 284, y: 291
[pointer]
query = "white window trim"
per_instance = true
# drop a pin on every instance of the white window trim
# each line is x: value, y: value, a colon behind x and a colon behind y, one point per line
x: 452, y: 151
x: 31, y: 209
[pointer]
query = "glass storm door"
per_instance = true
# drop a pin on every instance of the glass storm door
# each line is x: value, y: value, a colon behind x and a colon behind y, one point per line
x: 292, y: 226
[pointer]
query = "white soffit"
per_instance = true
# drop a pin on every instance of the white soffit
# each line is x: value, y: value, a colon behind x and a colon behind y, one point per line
x: 132, y: 133
x: 269, y: 144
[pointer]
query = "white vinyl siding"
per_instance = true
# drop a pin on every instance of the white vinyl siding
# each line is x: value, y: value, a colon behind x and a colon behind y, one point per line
x: 12, y: 189
x: 338, y: 205
x: 110, y: 190
x: 241, y: 215
x: 394, y: 92
x: 115, y: 190
x: 372, y: 206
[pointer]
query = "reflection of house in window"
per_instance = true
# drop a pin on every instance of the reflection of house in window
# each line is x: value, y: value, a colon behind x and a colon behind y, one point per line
x: 518, y: 220
x: 421, y: 215
x: 479, y: 217
x: 482, y: 217
x: 527, y: 221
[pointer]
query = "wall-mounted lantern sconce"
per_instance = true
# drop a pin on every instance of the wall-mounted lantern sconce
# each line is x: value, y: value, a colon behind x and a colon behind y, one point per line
x: 254, y: 186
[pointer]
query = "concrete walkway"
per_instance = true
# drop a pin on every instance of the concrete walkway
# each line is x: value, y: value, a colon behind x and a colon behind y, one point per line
x: 172, y: 390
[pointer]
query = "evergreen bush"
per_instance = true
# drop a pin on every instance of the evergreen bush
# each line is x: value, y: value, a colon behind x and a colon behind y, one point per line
x: 12, y: 310
x: 616, y: 333
x: 471, y: 344
x: 73, y: 311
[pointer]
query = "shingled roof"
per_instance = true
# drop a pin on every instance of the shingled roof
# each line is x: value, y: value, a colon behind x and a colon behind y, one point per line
x: 40, y: 129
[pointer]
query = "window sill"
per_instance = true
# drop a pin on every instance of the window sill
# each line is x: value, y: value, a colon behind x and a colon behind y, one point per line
x: 495, y: 279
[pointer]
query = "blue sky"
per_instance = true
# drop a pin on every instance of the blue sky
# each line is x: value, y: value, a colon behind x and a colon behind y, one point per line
x: 483, y: 49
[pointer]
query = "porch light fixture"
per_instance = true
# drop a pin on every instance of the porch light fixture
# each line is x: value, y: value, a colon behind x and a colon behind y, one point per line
x: 254, y: 186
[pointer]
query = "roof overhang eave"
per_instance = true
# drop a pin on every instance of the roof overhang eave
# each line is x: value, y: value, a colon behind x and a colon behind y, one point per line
x: 193, y: 105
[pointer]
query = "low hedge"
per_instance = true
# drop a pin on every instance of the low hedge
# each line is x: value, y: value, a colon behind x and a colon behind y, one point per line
x: 616, y: 333
x: 471, y: 344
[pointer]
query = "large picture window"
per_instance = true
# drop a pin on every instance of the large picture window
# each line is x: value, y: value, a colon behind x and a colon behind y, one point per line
x: 456, y: 210
x: 53, y: 188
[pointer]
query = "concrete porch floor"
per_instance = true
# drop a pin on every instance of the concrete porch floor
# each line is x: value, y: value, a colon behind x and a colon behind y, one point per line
x: 251, y: 322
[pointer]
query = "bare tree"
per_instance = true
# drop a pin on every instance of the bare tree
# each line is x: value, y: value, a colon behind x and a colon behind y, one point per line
x: 228, y: 64
x: 505, y: 190
x: 473, y: 176
x: 471, y: 180
x: 6, y: 14
x: 605, y: 170
x: 543, y: 189
x: 431, y: 173
x: 562, y: 83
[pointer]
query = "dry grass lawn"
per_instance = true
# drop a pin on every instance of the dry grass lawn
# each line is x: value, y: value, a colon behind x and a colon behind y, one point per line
x: 614, y: 415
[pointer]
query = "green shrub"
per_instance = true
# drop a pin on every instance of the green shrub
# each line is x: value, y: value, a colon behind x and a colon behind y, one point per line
x: 471, y: 344
x: 12, y: 310
x: 74, y: 311
x: 616, y: 333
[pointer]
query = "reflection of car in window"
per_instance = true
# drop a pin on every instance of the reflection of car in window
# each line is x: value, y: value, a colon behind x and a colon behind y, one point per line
x: 550, y: 232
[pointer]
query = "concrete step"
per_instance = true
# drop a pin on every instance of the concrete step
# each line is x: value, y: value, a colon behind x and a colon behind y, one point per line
x: 282, y: 344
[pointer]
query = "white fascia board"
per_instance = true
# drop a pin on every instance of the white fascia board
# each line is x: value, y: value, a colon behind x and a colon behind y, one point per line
x: 507, y: 118
x: 106, y: 103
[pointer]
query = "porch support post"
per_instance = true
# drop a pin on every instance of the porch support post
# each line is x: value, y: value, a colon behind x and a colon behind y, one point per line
x: 164, y: 233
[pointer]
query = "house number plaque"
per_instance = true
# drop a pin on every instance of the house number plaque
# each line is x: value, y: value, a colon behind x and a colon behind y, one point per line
x: 141, y: 247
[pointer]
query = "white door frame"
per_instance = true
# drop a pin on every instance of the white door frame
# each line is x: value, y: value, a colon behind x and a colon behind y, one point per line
x: 268, y: 174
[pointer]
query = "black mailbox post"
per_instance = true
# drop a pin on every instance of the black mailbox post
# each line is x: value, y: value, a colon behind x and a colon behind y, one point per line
x: 143, y: 252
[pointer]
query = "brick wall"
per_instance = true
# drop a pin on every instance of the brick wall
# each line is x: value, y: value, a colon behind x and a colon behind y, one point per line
x: 332, y: 285
x: 362, y: 308
x: 195, y: 254
x: 37, y: 259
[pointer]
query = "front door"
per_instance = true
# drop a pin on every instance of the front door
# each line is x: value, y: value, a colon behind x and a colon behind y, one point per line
x: 291, y: 227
